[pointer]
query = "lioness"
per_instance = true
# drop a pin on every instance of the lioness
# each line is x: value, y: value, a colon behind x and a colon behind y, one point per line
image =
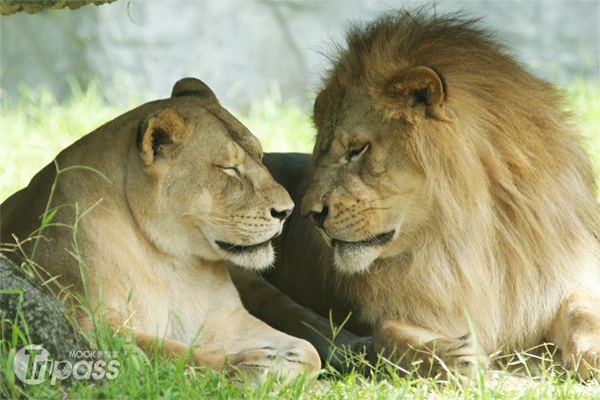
x: 143, y: 214
x: 456, y: 206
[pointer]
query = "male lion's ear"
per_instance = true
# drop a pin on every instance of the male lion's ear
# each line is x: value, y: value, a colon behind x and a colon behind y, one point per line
x: 160, y: 135
x: 319, y: 108
x: 193, y: 87
x: 418, y: 88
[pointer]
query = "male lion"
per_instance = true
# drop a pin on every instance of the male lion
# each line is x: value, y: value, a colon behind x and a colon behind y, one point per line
x: 143, y: 214
x: 458, y: 206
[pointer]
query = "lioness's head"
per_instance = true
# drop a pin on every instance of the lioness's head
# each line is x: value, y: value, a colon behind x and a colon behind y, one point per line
x: 196, y: 184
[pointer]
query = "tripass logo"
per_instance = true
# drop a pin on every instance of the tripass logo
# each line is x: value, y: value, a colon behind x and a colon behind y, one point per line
x: 33, y: 365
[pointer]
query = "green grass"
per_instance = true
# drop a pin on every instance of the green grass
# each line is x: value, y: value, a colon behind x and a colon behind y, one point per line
x: 148, y: 376
x: 36, y: 127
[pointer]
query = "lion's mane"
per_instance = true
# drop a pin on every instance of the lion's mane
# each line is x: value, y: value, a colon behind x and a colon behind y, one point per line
x: 511, y: 190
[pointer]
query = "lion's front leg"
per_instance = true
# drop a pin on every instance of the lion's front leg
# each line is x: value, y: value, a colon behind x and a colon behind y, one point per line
x: 427, y: 351
x: 576, y: 331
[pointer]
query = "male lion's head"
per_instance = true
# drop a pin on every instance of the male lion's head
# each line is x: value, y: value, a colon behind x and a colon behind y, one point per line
x: 197, y: 186
x: 368, y: 196
x: 428, y: 130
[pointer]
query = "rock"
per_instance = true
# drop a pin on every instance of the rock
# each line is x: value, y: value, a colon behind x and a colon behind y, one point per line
x: 32, y: 6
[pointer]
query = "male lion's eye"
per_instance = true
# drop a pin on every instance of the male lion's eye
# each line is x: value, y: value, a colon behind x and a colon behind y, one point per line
x: 356, y: 153
x: 231, y: 171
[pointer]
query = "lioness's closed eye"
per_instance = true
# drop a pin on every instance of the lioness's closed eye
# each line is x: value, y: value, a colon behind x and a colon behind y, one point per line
x: 157, y: 201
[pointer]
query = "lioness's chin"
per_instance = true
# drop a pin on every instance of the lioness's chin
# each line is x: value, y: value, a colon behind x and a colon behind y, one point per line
x: 255, y: 257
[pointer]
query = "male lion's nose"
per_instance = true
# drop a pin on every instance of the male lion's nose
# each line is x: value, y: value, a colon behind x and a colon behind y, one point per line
x: 318, y: 217
x: 281, y: 215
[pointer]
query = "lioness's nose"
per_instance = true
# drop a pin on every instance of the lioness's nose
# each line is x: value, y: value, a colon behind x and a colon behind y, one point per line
x: 318, y: 216
x: 281, y: 215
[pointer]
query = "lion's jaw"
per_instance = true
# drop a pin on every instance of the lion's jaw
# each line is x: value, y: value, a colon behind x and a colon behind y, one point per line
x: 242, y: 238
x: 361, y: 237
x: 365, y: 220
x: 352, y: 259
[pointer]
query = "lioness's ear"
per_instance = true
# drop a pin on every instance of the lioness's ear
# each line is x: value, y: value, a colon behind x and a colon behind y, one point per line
x: 160, y: 135
x: 418, y: 90
x: 193, y: 87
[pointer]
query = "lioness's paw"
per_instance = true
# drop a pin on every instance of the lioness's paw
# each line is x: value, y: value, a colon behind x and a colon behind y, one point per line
x: 284, y: 362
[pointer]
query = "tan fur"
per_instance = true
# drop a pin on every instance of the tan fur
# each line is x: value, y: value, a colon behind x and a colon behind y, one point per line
x: 142, y: 204
x: 428, y: 131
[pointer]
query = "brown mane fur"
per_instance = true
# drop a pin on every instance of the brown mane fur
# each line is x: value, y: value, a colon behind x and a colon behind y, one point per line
x: 494, y: 195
